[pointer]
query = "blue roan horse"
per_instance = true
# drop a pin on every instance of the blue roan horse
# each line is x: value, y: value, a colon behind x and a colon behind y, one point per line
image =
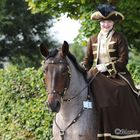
x: 117, y: 106
x: 67, y: 93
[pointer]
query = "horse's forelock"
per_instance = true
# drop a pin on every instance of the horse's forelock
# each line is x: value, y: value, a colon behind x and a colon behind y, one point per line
x: 52, y: 53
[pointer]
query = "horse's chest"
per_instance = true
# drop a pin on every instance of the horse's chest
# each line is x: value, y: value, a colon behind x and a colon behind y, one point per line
x: 82, y: 129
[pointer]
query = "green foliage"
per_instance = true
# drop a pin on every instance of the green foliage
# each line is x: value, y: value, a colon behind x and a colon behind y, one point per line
x: 23, y: 113
x: 55, y: 7
x: 21, y: 32
x: 130, y: 26
x: 78, y: 51
x: 134, y: 66
x: 82, y: 9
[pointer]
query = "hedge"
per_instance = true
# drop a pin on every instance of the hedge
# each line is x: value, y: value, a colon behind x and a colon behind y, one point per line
x: 134, y: 68
x: 23, y: 113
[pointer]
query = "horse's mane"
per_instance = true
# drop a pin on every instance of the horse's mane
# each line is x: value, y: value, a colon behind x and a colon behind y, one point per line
x: 76, y: 64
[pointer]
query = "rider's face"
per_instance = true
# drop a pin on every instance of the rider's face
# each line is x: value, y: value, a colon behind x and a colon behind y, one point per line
x: 106, y: 25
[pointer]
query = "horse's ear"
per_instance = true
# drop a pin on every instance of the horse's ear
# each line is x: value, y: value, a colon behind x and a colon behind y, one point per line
x: 65, y: 48
x: 44, y: 51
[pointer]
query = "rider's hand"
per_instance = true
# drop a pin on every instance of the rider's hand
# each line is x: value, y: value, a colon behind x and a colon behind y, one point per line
x: 101, y: 67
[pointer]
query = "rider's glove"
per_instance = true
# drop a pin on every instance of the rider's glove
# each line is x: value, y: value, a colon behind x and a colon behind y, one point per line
x: 101, y: 67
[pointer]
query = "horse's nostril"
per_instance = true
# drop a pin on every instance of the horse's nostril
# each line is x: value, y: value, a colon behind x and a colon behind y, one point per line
x: 57, y: 108
x: 53, y: 106
x: 58, y: 103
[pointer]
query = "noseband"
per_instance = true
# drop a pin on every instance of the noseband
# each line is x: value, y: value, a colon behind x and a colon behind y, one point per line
x: 68, y: 76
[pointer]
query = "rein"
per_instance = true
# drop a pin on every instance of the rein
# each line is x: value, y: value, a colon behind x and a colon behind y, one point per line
x: 57, y: 61
x: 62, y: 131
x: 80, y: 92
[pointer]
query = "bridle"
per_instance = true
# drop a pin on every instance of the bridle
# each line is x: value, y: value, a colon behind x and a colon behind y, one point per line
x: 62, y: 94
x: 79, y: 114
x: 68, y: 76
x: 62, y: 131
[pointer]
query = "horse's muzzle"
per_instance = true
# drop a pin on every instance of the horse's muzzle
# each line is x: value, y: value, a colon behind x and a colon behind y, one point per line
x: 54, y: 106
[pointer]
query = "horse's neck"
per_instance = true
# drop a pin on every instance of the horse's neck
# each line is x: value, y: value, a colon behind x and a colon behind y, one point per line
x: 77, y: 83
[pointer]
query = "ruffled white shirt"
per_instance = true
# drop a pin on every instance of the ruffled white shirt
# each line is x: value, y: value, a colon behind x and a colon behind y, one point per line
x: 103, y: 43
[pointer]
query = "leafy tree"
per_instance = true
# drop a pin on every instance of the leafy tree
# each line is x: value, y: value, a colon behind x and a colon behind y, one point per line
x: 21, y: 32
x: 78, y: 51
x: 82, y: 9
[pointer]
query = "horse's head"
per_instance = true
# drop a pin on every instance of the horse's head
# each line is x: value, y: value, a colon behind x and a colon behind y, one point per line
x: 57, y: 74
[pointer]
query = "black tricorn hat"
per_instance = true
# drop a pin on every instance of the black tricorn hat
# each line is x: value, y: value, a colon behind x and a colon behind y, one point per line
x: 107, y: 12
